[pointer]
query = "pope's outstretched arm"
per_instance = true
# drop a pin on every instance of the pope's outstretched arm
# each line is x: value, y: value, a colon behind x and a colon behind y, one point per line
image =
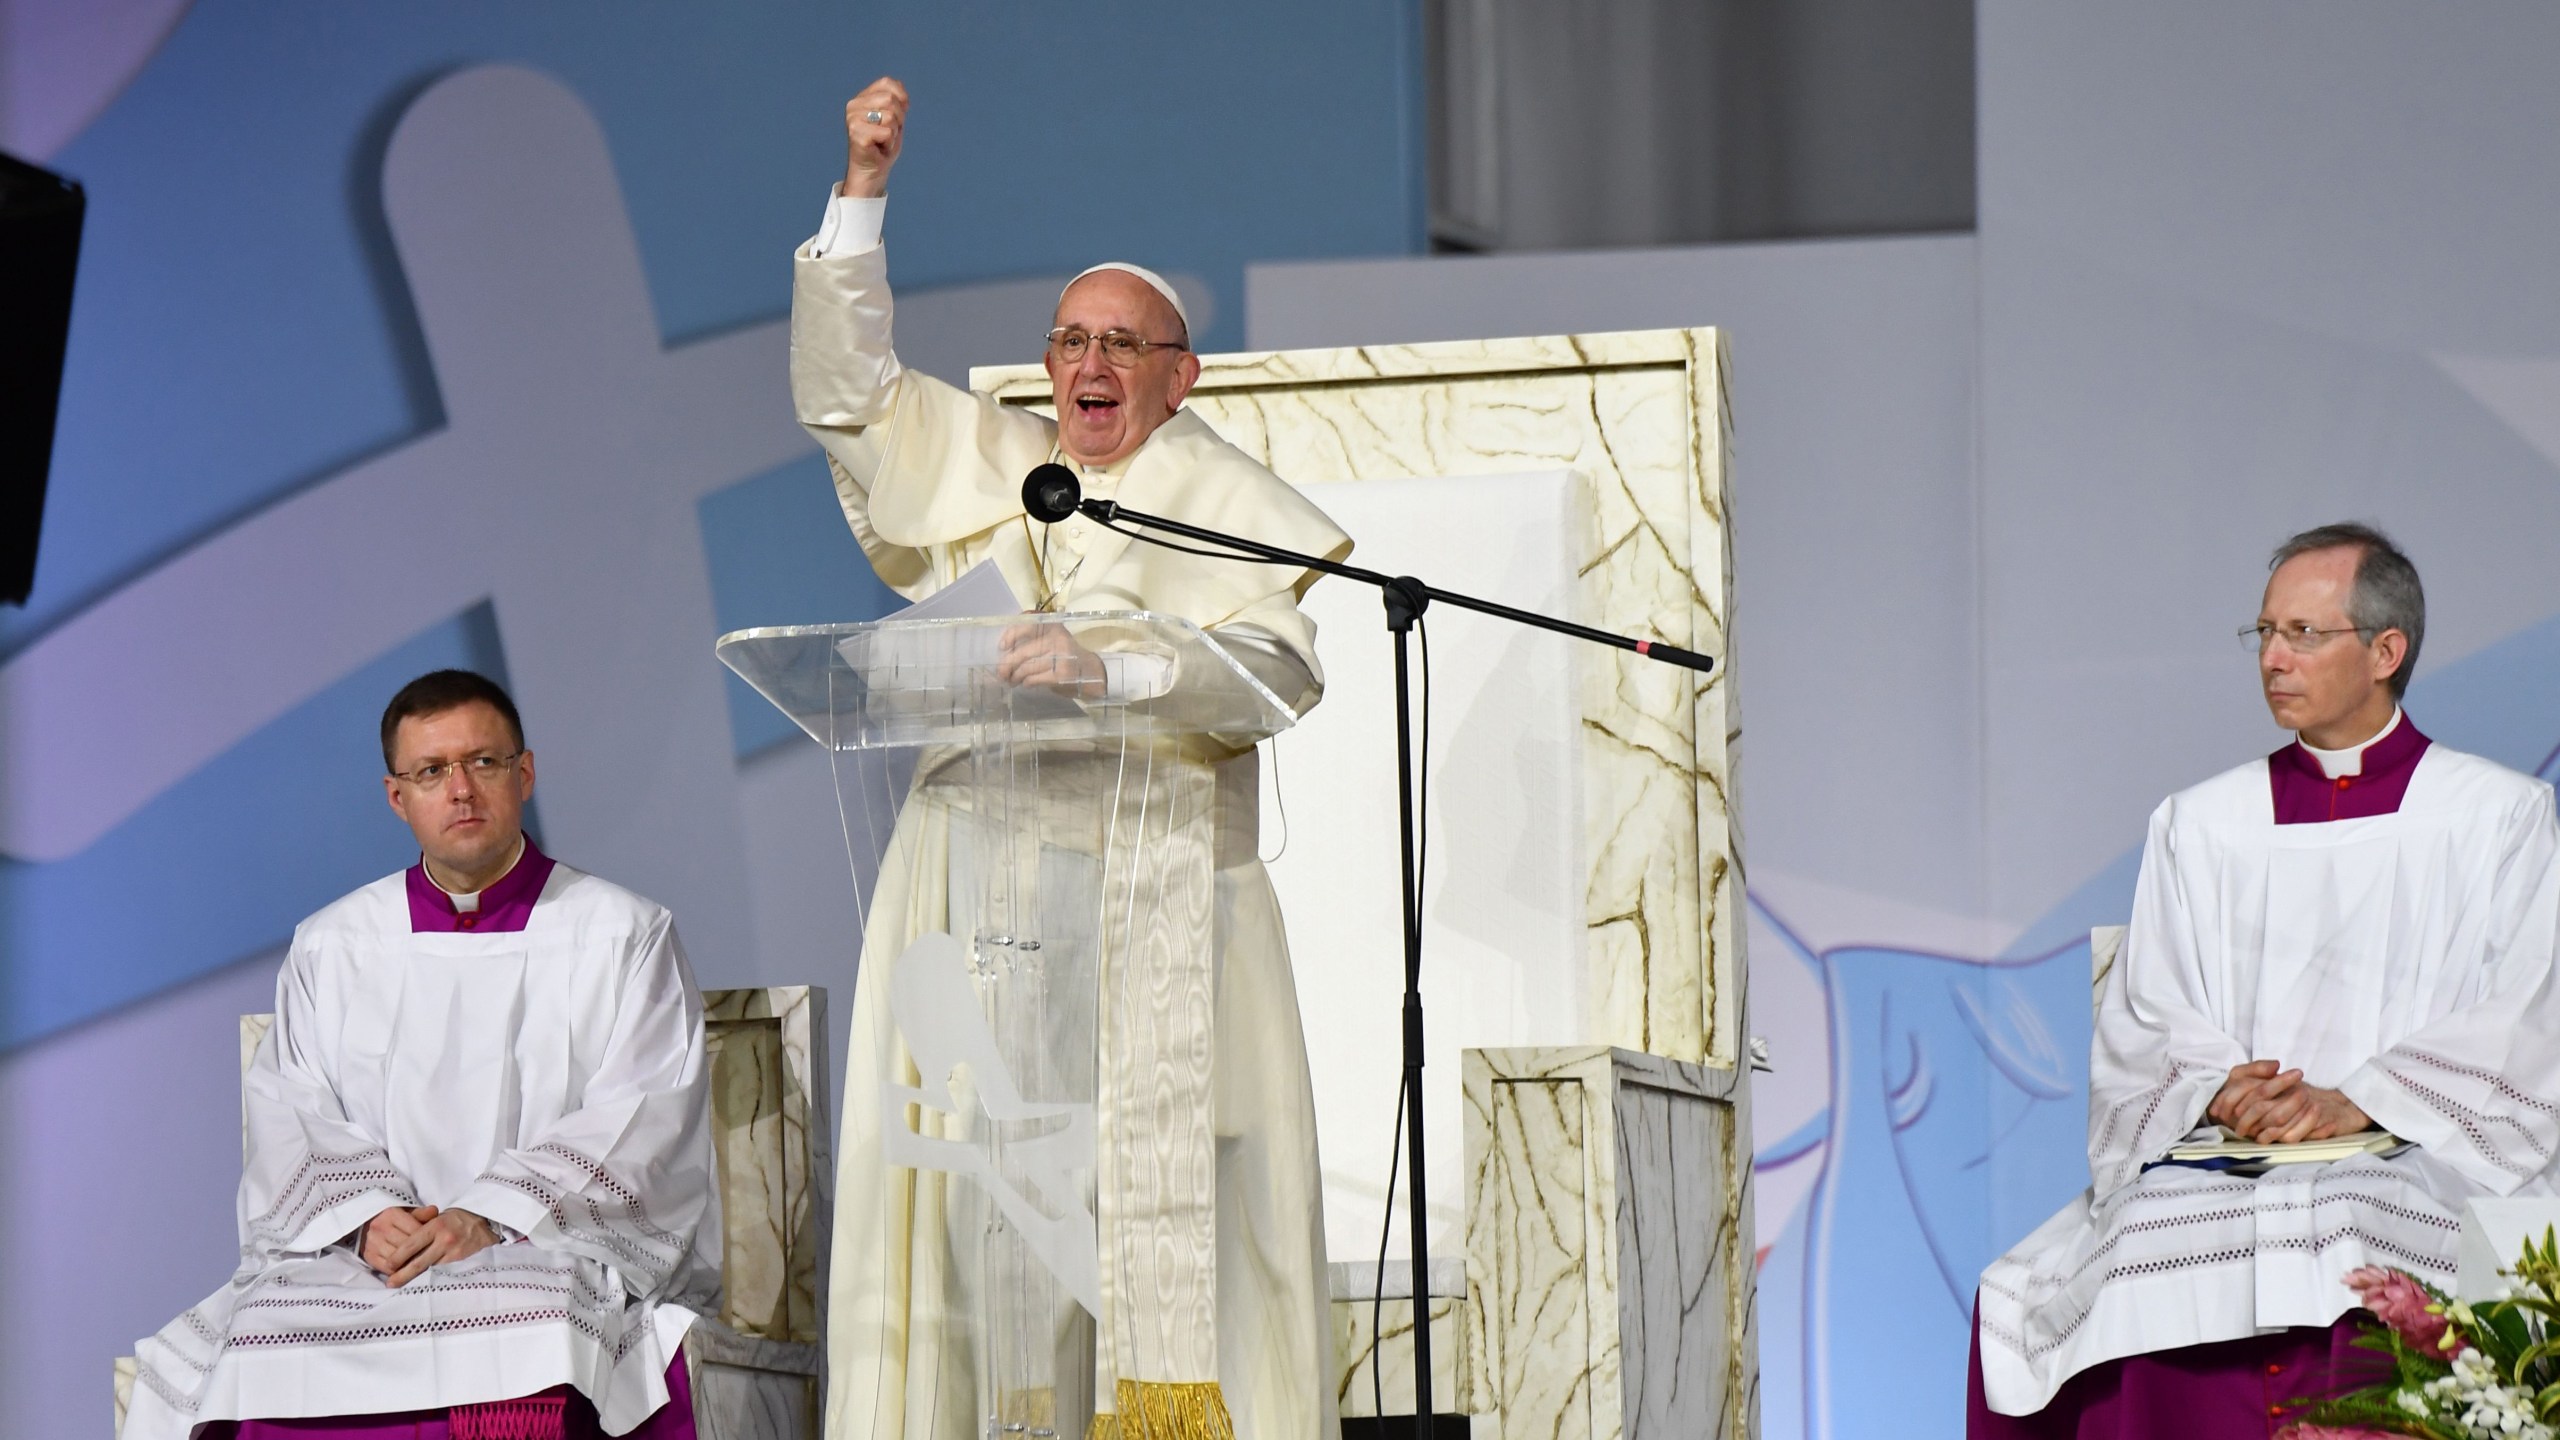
x: 895, y: 439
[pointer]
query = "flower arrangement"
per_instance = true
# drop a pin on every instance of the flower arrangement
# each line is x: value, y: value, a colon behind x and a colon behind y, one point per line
x: 2485, y: 1370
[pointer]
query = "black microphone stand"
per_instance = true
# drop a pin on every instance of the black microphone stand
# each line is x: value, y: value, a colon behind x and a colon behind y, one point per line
x: 1406, y: 598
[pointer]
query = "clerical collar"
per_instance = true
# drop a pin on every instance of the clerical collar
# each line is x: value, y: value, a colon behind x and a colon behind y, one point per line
x: 1102, y: 480
x: 506, y: 906
x: 2349, y: 761
x: 2307, y: 791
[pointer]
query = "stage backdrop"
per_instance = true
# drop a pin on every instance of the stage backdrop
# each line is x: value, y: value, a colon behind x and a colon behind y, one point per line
x: 2000, y: 499
x: 452, y: 333
x: 2000, y: 502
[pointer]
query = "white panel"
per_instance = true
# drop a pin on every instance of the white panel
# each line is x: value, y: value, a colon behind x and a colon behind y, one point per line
x: 1502, y: 942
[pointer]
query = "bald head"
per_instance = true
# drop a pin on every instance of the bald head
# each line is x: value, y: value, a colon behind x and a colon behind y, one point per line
x: 1105, y: 411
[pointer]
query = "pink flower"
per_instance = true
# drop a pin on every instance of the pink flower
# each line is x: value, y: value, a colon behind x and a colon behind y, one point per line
x: 2332, y: 1432
x: 2401, y: 1303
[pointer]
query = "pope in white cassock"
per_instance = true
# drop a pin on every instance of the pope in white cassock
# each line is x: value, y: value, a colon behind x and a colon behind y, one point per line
x: 478, y: 1198
x: 2354, y: 933
x: 1218, y: 1323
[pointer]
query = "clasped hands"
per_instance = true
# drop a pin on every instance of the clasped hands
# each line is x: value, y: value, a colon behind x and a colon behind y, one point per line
x: 1047, y: 656
x: 402, y: 1243
x: 2270, y: 1105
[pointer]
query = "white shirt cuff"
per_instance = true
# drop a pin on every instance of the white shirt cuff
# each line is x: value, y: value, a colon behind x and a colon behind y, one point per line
x: 851, y: 225
x: 1132, y: 676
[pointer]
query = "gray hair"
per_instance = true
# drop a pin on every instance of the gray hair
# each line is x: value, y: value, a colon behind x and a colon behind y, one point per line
x: 2386, y: 595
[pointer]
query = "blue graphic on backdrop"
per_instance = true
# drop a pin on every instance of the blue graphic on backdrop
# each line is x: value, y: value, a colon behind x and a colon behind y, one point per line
x: 277, y: 351
x: 370, y: 374
x: 1950, y: 1078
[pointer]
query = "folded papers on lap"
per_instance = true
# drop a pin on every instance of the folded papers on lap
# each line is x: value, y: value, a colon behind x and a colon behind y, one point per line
x: 2211, y: 1147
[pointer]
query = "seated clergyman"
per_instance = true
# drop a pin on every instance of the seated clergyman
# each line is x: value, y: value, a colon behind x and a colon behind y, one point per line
x: 479, y: 1193
x: 2354, y: 933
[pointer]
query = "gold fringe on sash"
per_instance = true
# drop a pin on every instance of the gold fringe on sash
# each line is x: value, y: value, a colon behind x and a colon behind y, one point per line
x: 1105, y: 1425
x: 1170, y: 1410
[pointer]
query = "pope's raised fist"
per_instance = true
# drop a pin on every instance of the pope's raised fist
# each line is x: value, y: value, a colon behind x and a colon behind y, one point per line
x: 875, y: 123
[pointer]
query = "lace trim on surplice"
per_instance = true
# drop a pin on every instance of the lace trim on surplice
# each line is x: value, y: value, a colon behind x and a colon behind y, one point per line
x: 2331, y: 1191
x: 621, y: 1224
x: 323, y: 1180
x: 2150, y: 1102
x: 2474, y: 1124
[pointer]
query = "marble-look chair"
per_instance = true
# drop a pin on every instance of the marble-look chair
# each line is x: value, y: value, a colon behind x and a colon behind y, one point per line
x: 2106, y: 942
x: 758, y: 1365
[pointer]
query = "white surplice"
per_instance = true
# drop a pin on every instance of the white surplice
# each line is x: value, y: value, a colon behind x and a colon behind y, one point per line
x: 552, y: 1080
x: 2405, y: 959
x: 929, y: 477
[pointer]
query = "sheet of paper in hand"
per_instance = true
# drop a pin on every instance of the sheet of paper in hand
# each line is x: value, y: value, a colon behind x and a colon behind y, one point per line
x: 979, y: 595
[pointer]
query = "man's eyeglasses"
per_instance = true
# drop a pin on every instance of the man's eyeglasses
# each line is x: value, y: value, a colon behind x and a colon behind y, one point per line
x: 2301, y: 637
x: 1122, y: 348
x: 481, y: 769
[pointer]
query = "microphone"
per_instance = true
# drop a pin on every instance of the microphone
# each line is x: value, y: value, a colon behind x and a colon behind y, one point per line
x: 1050, y: 493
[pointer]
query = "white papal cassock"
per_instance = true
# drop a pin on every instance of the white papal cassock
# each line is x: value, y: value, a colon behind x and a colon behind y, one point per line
x: 551, y: 1080
x: 2403, y: 958
x: 930, y: 479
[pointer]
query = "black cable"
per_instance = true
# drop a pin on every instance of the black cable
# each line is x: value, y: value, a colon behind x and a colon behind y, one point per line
x: 1378, y: 1282
x: 1395, y: 1139
x: 1422, y: 782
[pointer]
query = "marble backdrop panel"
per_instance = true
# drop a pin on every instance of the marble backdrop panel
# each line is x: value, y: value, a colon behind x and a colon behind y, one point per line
x: 1368, y: 1372
x: 1641, y: 416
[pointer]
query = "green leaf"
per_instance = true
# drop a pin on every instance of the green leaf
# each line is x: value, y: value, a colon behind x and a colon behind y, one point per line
x: 2546, y: 1400
x: 2532, y: 1354
x: 2504, y: 1334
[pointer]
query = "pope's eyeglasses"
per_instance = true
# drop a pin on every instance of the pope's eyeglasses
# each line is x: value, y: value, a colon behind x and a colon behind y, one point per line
x: 1122, y: 348
x: 2301, y: 637
x: 481, y: 768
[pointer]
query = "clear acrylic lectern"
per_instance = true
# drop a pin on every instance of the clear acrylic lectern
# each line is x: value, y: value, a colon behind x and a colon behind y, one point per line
x: 1048, y: 885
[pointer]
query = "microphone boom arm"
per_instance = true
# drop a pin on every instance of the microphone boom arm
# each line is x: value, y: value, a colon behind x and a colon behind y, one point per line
x: 1401, y: 590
